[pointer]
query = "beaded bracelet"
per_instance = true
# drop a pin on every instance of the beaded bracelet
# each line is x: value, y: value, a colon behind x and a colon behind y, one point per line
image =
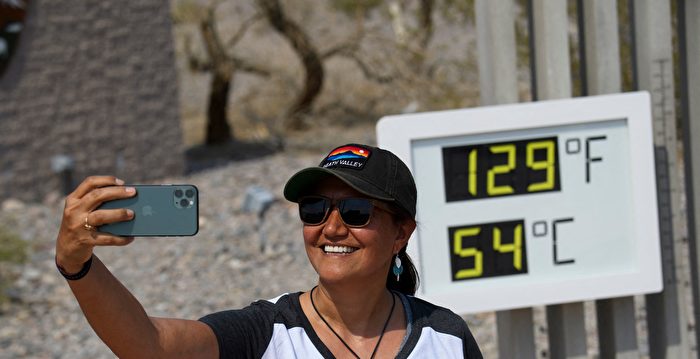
x: 84, y: 271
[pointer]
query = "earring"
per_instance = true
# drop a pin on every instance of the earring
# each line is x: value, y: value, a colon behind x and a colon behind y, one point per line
x: 397, y: 268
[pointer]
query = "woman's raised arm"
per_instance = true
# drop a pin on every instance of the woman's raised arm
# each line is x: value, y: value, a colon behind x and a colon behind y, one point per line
x: 113, y: 312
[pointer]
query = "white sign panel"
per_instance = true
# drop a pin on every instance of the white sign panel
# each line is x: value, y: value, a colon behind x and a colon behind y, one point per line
x: 532, y: 204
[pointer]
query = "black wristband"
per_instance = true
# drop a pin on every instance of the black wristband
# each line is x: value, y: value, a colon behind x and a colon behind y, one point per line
x: 84, y: 271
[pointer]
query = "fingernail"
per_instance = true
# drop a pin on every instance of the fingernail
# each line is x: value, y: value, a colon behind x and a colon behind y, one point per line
x: 130, y: 190
x: 129, y: 212
x: 119, y: 182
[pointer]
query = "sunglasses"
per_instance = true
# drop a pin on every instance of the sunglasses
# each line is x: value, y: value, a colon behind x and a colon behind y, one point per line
x: 354, y: 212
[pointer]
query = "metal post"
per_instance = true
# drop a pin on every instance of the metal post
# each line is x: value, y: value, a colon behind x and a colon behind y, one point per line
x: 516, y: 338
x: 617, y: 335
x: 258, y: 200
x: 63, y: 166
x: 531, y: 46
x: 688, y: 32
x: 566, y: 331
x: 583, y: 50
x: 566, y: 324
x: 495, y: 26
x: 551, y: 24
x: 602, y: 47
x: 617, y: 331
x: 666, y: 311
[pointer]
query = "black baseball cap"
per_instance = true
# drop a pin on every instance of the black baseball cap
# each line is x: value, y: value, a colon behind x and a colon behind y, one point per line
x: 372, y: 171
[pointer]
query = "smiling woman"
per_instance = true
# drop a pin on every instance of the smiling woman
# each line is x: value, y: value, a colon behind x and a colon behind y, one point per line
x: 358, y: 208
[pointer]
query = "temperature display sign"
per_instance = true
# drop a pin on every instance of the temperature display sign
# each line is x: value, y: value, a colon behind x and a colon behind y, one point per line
x: 532, y: 204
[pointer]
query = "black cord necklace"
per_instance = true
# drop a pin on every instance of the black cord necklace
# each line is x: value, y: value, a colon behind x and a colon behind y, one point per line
x: 391, y: 312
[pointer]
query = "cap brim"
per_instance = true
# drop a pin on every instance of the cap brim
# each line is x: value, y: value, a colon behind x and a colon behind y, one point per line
x: 303, y: 181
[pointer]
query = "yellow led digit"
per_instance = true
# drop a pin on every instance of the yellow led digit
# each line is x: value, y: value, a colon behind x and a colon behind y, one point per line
x: 491, y: 187
x: 515, y: 247
x: 547, y: 164
x: 468, y: 252
x: 472, y: 172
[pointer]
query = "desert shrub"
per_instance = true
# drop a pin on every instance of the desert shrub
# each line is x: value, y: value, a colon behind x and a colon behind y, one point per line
x: 13, y: 250
x: 12, y: 247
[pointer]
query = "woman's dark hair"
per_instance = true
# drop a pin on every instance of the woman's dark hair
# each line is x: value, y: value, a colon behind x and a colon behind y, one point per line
x: 408, y: 280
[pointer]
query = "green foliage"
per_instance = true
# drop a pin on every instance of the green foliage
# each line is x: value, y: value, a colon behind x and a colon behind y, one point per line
x: 626, y: 56
x: 187, y: 11
x: 12, y: 250
x: 12, y: 247
x: 522, y: 37
x: 457, y: 10
x: 574, y: 50
x: 353, y: 7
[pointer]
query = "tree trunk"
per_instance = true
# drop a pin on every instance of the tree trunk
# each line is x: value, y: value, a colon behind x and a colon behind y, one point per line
x: 426, y: 23
x: 309, y: 56
x: 218, y: 129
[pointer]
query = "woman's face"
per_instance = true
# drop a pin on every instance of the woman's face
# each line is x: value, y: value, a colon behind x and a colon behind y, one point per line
x: 371, y: 248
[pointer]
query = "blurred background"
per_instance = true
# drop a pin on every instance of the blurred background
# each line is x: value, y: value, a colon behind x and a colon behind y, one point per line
x: 234, y: 96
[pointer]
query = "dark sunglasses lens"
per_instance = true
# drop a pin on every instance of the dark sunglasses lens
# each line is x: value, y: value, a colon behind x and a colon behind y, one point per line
x: 355, y: 211
x: 313, y: 210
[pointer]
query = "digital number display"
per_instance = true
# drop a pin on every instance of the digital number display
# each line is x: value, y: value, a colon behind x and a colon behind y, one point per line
x: 501, y: 169
x: 487, y: 250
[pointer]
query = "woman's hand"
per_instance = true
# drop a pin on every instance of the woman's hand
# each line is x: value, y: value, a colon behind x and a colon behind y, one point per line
x: 78, y: 234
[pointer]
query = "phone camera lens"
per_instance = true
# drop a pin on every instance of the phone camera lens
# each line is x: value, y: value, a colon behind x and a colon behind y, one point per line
x: 184, y: 202
x: 178, y: 193
x: 189, y: 193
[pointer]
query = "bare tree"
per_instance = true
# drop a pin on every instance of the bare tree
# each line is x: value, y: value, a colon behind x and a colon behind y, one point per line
x: 222, y: 64
x: 425, y: 16
x: 308, y: 54
x: 313, y: 58
x: 414, y: 41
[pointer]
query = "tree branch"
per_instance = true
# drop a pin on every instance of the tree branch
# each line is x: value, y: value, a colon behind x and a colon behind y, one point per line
x: 307, y: 53
x: 350, y: 50
x: 352, y: 45
x: 367, y: 70
x: 426, y: 21
x: 212, y: 41
x: 338, y: 50
x: 243, y: 29
x: 243, y: 65
x: 342, y: 107
x: 193, y: 61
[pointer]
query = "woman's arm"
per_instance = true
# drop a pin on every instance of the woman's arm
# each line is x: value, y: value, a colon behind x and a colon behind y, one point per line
x: 112, y: 311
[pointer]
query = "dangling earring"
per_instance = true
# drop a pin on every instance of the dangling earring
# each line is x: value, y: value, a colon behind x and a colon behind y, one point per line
x: 397, y: 268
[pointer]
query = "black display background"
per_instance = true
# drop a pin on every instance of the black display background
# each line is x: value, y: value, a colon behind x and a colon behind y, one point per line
x: 494, y: 263
x: 456, y: 169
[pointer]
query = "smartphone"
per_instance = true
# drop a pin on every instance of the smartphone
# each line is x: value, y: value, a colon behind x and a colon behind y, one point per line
x: 159, y: 210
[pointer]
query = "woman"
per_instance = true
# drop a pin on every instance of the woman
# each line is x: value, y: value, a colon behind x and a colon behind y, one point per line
x: 358, y: 208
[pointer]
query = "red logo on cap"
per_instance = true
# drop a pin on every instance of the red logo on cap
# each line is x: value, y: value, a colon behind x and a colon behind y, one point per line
x: 347, y: 156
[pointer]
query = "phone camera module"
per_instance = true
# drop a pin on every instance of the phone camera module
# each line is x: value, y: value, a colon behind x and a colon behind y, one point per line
x: 178, y: 193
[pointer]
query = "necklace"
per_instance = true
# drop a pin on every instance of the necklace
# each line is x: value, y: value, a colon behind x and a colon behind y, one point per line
x: 391, y: 312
